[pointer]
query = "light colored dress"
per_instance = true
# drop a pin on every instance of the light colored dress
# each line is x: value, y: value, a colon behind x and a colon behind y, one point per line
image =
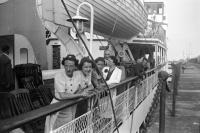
x: 63, y: 83
x: 85, y: 80
x: 82, y: 107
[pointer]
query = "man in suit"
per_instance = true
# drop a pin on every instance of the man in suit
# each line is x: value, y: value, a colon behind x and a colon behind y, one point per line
x: 6, y: 72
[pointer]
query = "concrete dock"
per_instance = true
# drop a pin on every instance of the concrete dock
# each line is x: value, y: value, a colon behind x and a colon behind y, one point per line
x: 187, y: 118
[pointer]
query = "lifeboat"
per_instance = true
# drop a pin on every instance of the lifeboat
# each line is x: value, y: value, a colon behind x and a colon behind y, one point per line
x: 121, y: 19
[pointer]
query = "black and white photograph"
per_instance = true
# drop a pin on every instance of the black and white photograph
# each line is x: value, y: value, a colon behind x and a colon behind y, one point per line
x: 99, y: 66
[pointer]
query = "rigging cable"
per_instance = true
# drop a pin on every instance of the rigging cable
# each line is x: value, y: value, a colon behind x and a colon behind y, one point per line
x: 109, y: 92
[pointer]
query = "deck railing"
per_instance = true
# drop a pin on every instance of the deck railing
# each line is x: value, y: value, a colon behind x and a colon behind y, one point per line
x: 126, y: 97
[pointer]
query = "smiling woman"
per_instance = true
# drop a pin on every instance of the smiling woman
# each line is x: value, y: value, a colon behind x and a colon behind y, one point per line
x: 111, y: 72
x: 85, y: 67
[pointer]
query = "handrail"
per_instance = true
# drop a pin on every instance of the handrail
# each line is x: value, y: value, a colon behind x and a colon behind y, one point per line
x: 12, y: 123
x: 17, y: 121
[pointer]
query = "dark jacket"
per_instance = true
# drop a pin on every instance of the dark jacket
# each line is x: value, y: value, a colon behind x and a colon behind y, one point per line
x: 139, y: 70
x: 6, y: 74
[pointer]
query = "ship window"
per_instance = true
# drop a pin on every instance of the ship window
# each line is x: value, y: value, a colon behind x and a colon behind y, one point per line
x: 23, y: 56
x: 154, y: 7
x: 56, y: 57
x: 149, y: 10
x: 159, y: 9
x: 48, y: 34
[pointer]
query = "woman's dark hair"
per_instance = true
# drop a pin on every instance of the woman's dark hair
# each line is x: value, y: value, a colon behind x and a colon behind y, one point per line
x: 70, y: 57
x: 83, y: 60
x: 100, y: 59
x: 114, y: 60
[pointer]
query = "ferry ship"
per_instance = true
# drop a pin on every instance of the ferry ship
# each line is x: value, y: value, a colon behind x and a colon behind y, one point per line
x: 40, y: 35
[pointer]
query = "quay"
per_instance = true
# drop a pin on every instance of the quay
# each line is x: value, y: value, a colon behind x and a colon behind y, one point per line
x: 187, y: 109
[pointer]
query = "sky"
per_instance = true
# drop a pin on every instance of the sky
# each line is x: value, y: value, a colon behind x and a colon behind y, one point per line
x: 183, y: 31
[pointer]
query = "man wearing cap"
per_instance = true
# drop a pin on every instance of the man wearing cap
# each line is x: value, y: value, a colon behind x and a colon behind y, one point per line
x: 67, y: 85
x: 107, y: 54
x: 6, y: 72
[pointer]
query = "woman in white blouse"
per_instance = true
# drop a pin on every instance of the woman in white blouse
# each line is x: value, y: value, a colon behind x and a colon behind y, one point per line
x: 112, y: 74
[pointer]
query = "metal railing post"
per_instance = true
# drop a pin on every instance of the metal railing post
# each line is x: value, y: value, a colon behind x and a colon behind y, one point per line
x: 173, y: 101
x: 162, y: 76
x: 175, y: 79
x: 173, y: 86
x: 162, y: 107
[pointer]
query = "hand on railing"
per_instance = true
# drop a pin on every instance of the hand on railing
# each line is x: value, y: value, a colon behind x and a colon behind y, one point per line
x: 91, y: 92
x: 84, y: 94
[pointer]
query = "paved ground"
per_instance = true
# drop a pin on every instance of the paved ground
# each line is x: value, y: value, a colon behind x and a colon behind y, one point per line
x: 187, y: 119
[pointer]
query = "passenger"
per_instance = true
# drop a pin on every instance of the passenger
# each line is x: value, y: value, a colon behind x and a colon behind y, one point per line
x: 99, y: 85
x: 151, y: 60
x: 145, y: 64
x: 85, y: 66
x: 107, y: 54
x: 111, y: 73
x: 139, y: 68
x: 67, y: 85
x: 6, y: 72
x: 97, y: 80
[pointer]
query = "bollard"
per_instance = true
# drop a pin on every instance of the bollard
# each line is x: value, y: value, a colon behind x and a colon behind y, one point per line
x: 162, y: 110
x: 162, y: 76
